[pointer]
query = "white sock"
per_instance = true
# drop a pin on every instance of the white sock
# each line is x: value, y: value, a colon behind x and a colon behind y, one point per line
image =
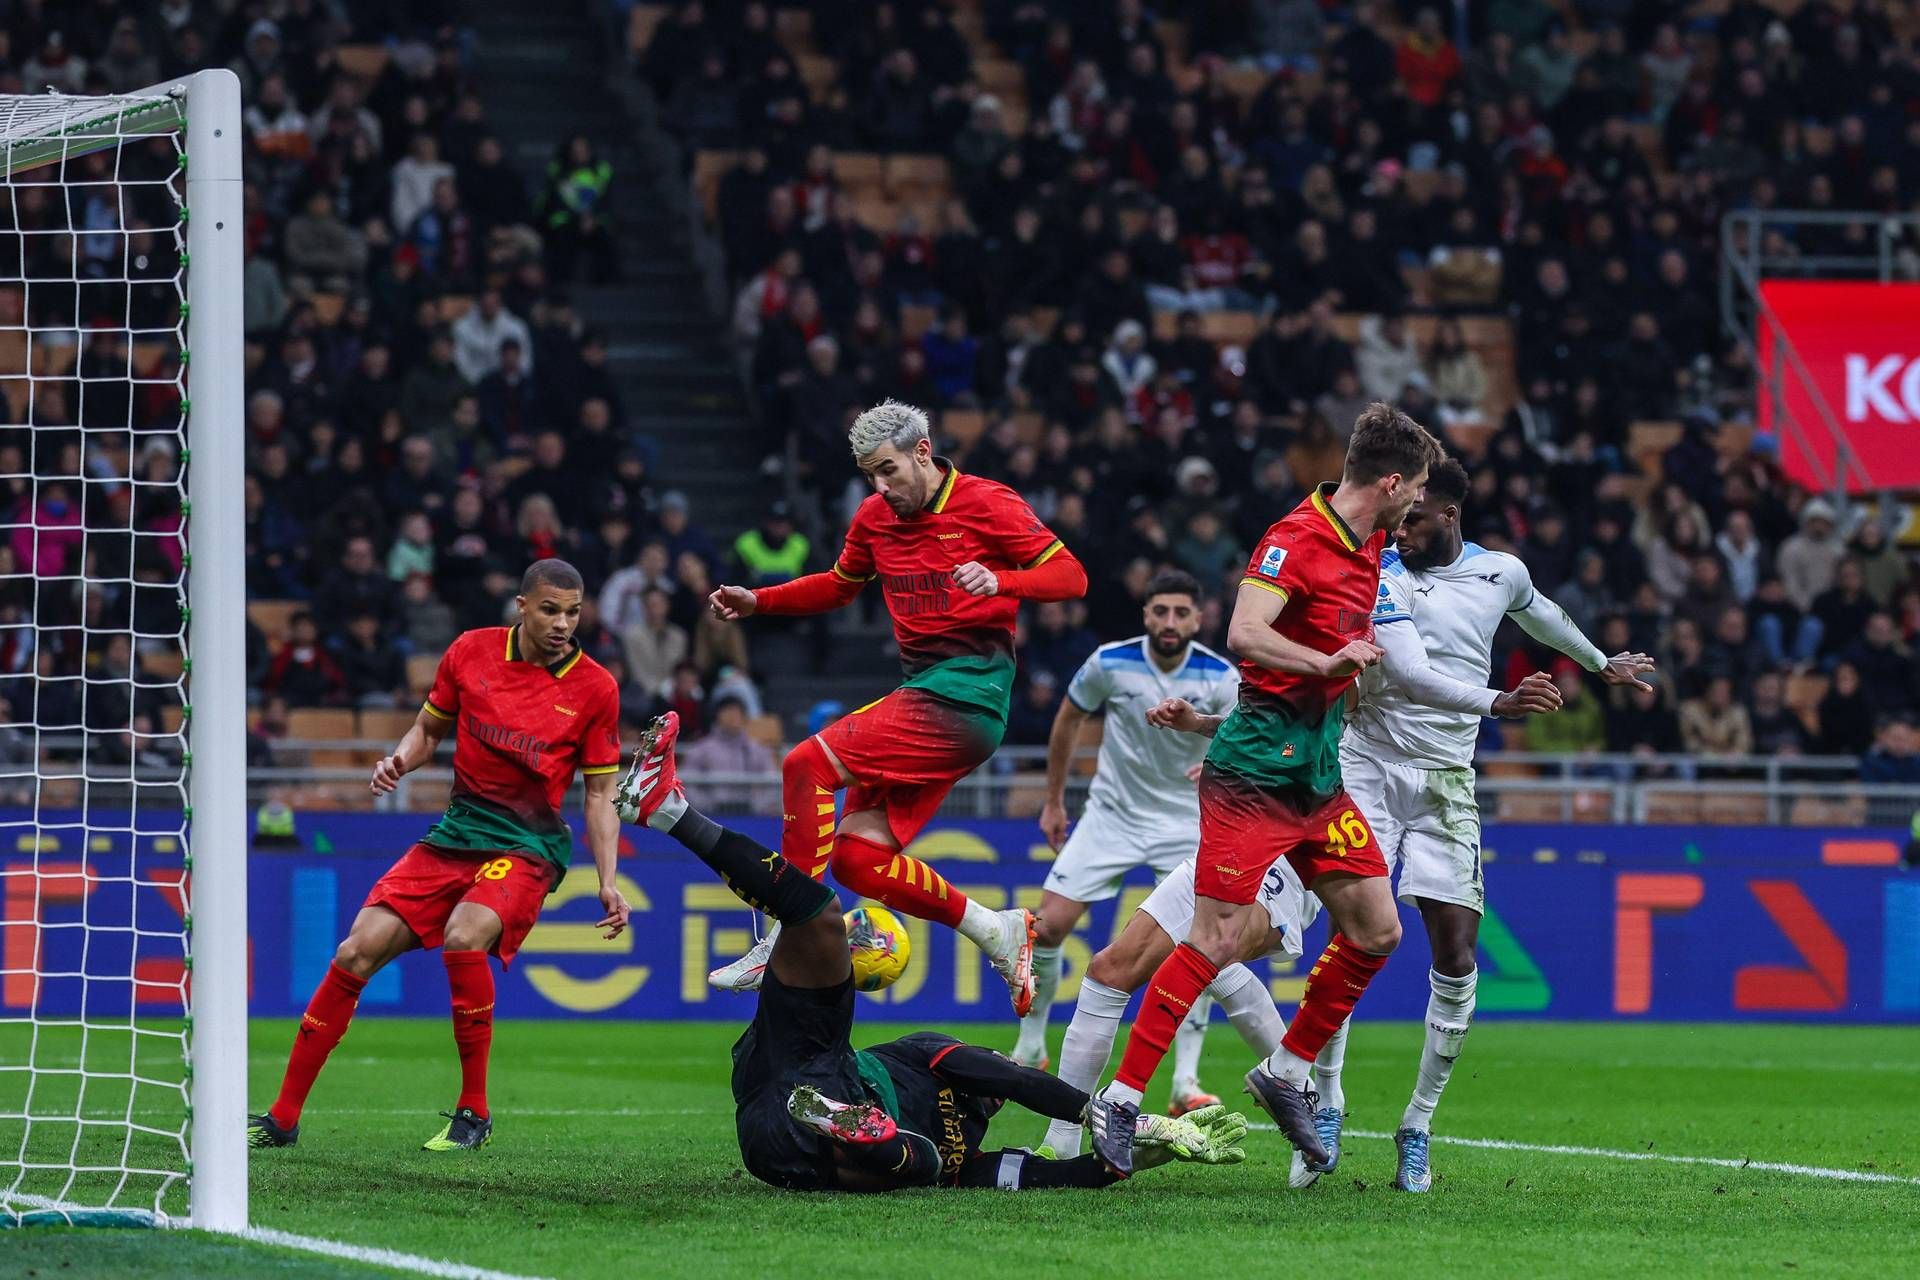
x: 1327, y: 1068
x: 985, y: 929
x: 671, y: 810
x: 1249, y: 1007
x: 1032, y: 1044
x: 1188, y: 1039
x: 1449, y: 1016
x: 1084, y: 1053
x: 1117, y: 1092
x: 1284, y: 1064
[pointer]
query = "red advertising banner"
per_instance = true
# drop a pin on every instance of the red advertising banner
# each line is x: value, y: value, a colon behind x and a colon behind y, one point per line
x: 1861, y: 347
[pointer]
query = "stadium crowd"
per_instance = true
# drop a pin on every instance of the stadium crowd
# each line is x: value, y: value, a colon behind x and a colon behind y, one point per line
x: 1567, y: 167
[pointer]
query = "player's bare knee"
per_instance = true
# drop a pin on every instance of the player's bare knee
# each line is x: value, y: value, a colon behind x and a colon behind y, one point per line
x: 356, y: 957
x: 1050, y: 932
x: 1453, y: 959
x: 1379, y: 937
x: 1110, y: 969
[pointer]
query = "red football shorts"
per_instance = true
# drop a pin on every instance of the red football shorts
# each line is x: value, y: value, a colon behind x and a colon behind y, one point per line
x: 1244, y: 829
x: 427, y: 883
x: 906, y: 751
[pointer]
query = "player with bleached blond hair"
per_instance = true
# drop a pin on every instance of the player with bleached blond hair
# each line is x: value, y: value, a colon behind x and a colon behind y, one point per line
x: 955, y: 554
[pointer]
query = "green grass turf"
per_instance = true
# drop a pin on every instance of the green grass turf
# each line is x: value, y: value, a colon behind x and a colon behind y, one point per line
x: 615, y: 1157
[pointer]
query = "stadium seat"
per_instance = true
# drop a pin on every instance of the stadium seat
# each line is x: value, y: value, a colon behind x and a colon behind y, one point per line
x: 916, y: 322
x: 383, y: 724
x: 963, y: 427
x: 768, y: 732
x: 641, y: 24
x: 817, y: 72
x: 1648, y: 442
x: 858, y: 170
x: 272, y: 617
x: 1743, y: 809
x: 1828, y: 811
x: 420, y: 669
x: 1026, y: 795
x: 1001, y: 77
x: 162, y: 664
x: 794, y: 26
x: 1529, y: 806
x: 1803, y: 694
x: 1673, y: 807
x: 328, y: 307
x: 320, y: 724
x: 708, y: 168
x: 918, y: 176
x: 368, y: 61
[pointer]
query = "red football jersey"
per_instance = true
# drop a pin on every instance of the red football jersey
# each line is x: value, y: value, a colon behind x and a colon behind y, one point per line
x: 915, y: 556
x: 1328, y: 577
x: 522, y: 731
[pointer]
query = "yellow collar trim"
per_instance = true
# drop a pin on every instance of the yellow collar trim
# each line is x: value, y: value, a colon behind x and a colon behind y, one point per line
x: 558, y: 669
x: 946, y: 487
x: 1325, y: 508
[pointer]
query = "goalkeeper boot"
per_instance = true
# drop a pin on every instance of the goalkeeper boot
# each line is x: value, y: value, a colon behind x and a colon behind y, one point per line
x: 1292, y: 1109
x: 1327, y: 1122
x: 861, y: 1124
x: 1413, y: 1172
x: 1112, y: 1125
x: 1013, y: 958
x: 1188, y: 1096
x: 264, y: 1131
x: 652, y: 780
x: 467, y: 1130
x: 746, y: 973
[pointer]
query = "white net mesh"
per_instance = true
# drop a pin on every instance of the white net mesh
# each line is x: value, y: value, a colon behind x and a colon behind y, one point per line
x: 94, y: 1013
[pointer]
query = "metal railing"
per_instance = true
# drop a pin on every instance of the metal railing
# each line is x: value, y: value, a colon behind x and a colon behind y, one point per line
x: 1512, y: 786
x: 1747, y: 259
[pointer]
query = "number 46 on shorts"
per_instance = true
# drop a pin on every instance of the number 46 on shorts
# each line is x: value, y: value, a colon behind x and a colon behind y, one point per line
x: 1348, y: 831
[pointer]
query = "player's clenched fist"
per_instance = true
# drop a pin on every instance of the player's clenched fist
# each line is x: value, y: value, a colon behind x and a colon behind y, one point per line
x: 1355, y: 655
x: 730, y: 604
x: 1053, y: 824
x: 976, y: 579
x: 386, y: 775
x: 1174, y: 713
x: 1536, y: 695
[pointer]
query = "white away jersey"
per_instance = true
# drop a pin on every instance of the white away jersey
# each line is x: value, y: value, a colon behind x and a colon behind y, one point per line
x: 1457, y: 608
x: 1142, y: 773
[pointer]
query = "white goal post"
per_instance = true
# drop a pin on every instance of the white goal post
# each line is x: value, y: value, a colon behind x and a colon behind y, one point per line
x: 123, y: 840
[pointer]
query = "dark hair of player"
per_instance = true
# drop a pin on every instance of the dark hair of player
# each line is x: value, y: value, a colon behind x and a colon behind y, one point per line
x: 1174, y: 582
x: 1387, y: 442
x: 1447, y: 482
x: 557, y: 574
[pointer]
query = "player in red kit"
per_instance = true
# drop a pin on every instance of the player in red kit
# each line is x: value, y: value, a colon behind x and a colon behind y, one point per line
x: 1270, y: 787
x: 532, y: 710
x: 955, y: 555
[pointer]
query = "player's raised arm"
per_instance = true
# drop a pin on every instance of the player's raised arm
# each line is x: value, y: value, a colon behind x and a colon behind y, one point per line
x: 1548, y: 623
x: 810, y: 593
x: 1251, y: 635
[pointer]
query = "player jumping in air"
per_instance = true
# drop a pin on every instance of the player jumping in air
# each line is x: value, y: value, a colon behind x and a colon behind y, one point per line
x: 955, y: 555
x: 1141, y: 808
x: 531, y: 710
x: 1302, y: 625
x: 1407, y: 758
x: 814, y: 1114
x: 1162, y: 923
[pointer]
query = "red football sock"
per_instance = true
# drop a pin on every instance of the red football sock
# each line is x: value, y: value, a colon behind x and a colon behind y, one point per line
x: 1175, y: 985
x: 321, y: 1027
x: 1334, y: 986
x: 807, y: 783
x: 897, y: 880
x: 471, y: 979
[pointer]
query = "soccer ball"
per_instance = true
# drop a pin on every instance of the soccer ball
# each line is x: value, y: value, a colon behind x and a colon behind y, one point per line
x: 879, y: 945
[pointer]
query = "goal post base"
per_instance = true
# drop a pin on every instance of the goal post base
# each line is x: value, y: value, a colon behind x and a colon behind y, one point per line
x: 11, y: 1219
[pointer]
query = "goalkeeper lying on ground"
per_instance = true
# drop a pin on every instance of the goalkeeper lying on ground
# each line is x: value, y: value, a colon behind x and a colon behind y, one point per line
x: 814, y: 1114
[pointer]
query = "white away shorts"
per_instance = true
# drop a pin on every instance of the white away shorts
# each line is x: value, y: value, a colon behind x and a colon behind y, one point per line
x: 1102, y: 848
x: 1428, y: 825
x: 1290, y: 908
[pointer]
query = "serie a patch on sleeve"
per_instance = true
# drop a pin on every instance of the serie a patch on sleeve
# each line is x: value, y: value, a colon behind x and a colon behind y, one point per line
x: 1271, y: 562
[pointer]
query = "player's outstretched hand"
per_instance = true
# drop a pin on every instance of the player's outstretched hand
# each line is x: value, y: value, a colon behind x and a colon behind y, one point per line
x: 1174, y: 713
x: 615, y: 921
x: 1355, y: 655
x: 730, y: 604
x: 976, y: 579
x: 1053, y: 823
x: 1534, y: 696
x: 1627, y: 668
x: 386, y: 775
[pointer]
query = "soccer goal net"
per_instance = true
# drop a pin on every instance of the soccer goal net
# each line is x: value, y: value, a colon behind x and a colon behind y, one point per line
x: 122, y: 752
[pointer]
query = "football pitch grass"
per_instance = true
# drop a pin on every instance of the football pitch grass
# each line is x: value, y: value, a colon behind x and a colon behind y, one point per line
x: 614, y: 1156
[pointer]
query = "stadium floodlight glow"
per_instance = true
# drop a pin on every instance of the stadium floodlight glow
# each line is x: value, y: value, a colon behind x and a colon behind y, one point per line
x: 123, y: 887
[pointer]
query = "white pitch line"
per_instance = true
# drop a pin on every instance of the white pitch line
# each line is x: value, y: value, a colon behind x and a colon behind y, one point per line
x: 1607, y: 1153
x: 437, y: 1267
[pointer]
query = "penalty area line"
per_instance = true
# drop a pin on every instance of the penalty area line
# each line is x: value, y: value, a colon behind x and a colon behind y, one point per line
x: 374, y: 1255
x: 1657, y: 1157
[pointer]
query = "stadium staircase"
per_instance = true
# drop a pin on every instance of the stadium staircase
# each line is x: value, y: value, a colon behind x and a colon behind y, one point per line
x: 546, y: 72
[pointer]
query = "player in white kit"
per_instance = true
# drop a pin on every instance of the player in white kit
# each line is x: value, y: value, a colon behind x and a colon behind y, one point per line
x: 1162, y: 923
x: 1142, y: 809
x: 1407, y: 758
